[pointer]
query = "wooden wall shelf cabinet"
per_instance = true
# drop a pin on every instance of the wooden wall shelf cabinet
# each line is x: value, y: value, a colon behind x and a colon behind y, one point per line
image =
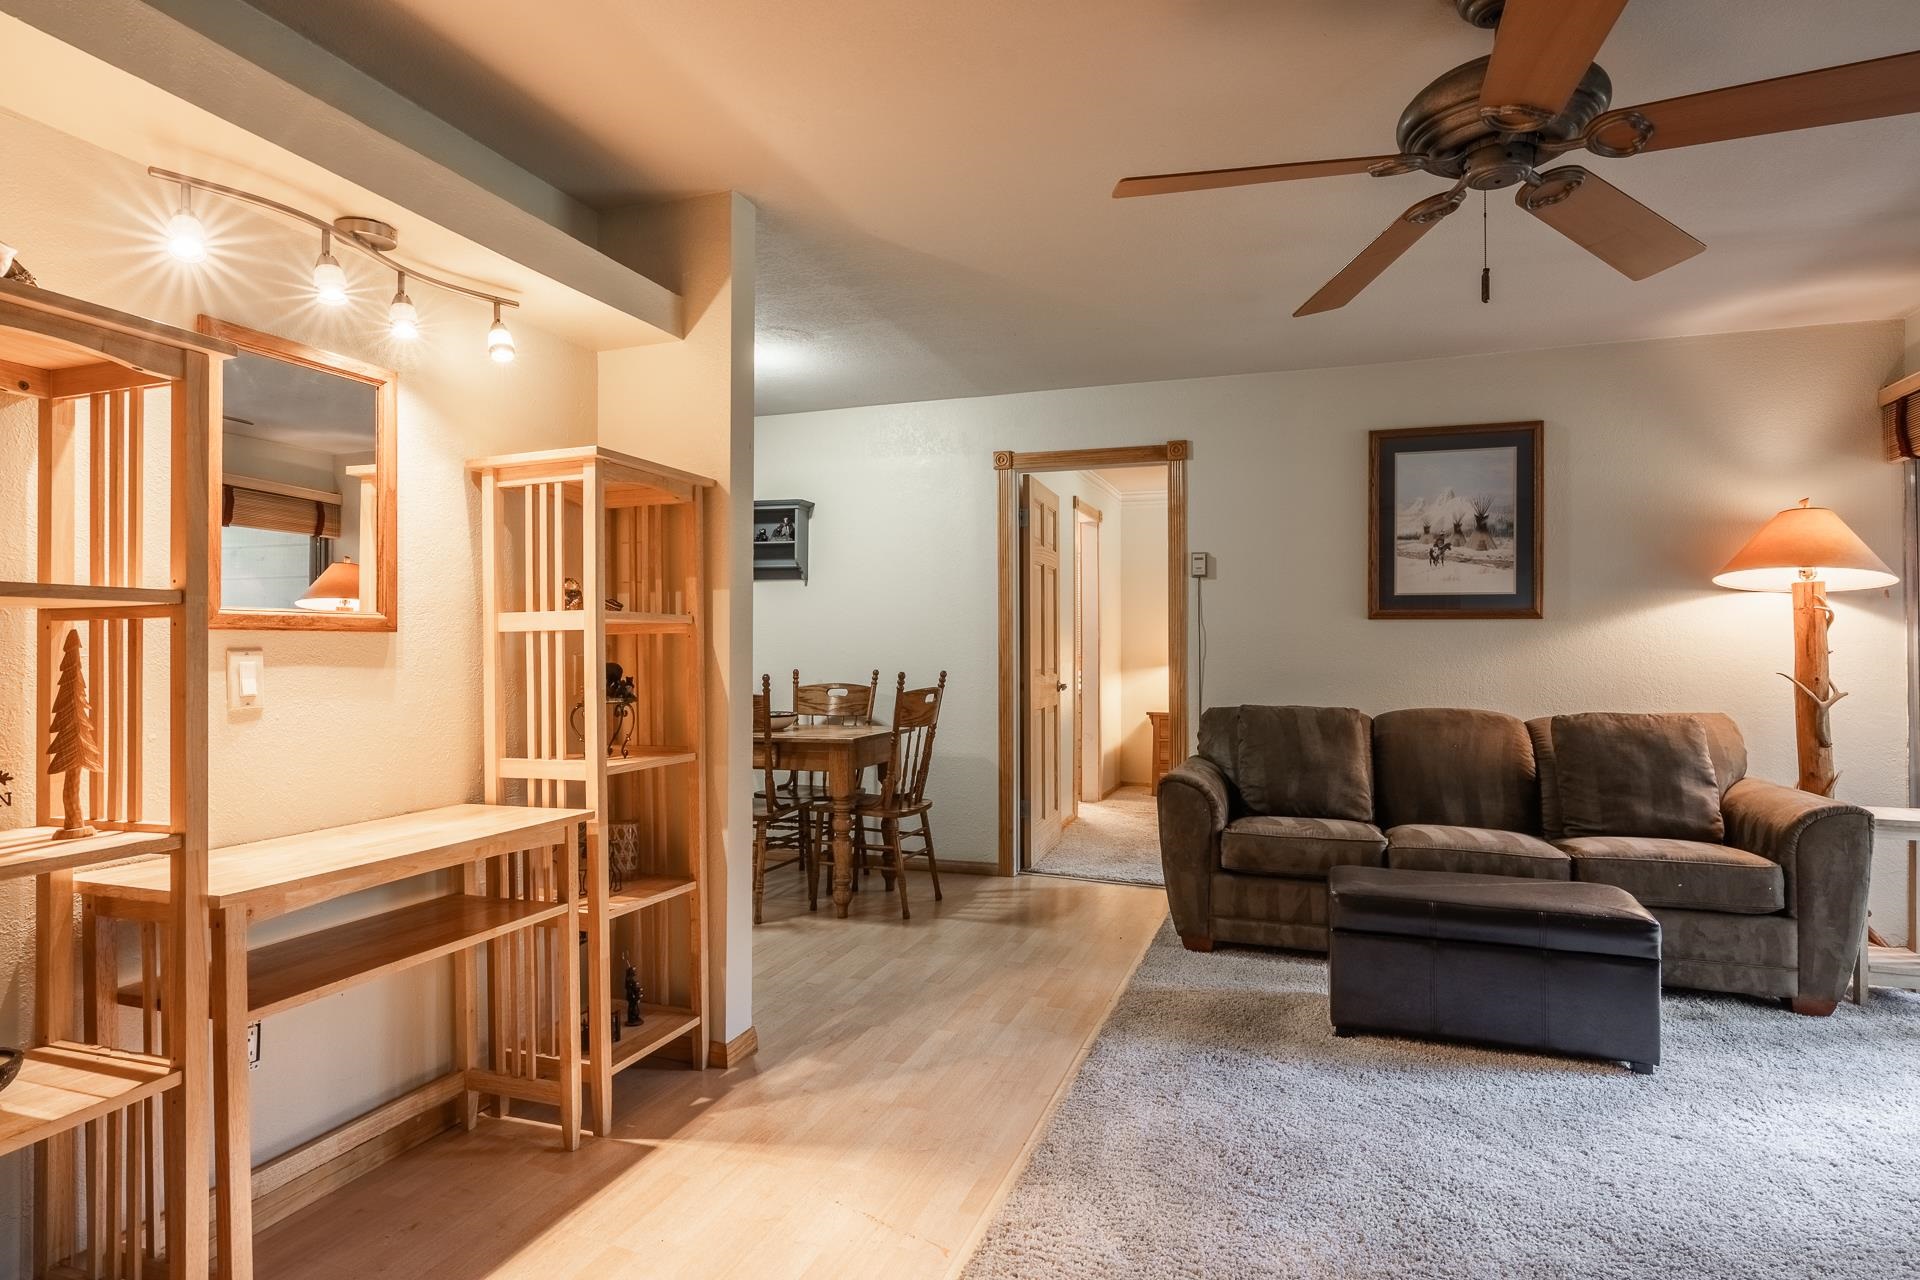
x: 518, y: 869
x: 115, y: 1132
x: 780, y: 537
x: 620, y: 527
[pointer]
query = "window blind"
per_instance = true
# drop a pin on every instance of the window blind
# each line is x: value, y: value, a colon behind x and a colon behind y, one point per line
x: 247, y: 508
x: 1900, y: 425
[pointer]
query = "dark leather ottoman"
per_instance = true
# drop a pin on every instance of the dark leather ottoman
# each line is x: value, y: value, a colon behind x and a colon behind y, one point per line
x: 1552, y: 965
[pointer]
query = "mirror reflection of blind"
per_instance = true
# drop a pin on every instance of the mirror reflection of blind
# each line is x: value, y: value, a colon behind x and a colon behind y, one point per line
x: 1900, y: 427
x: 247, y: 508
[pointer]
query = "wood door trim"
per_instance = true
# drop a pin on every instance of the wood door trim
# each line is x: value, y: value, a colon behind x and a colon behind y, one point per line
x: 1009, y: 465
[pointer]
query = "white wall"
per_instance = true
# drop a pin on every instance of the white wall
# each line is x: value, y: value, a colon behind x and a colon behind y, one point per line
x: 1143, y: 633
x: 1661, y: 458
x: 354, y: 726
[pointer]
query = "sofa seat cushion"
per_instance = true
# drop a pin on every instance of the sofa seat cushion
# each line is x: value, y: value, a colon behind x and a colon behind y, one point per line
x: 1686, y: 874
x: 1476, y: 850
x: 1303, y: 848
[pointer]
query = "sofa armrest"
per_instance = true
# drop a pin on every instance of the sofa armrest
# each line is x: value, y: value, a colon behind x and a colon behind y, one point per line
x: 1194, y: 807
x: 1825, y: 849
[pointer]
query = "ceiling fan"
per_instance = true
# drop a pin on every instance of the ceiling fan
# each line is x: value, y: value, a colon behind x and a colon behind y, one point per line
x: 1489, y: 124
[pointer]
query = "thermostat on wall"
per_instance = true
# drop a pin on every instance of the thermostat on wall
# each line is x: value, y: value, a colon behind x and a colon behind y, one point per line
x: 1200, y: 564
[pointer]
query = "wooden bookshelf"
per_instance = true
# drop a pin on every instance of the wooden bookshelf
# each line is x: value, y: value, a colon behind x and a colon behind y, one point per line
x: 620, y: 527
x: 116, y: 1130
x: 32, y: 851
x: 64, y: 1085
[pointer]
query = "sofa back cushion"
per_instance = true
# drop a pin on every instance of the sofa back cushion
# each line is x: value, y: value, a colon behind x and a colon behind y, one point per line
x: 1628, y: 774
x: 1454, y: 768
x: 1294, y: 762
x: 1724, y: 742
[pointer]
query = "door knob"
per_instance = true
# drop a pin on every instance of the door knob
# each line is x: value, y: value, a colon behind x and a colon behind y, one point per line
x: 1060, y: 688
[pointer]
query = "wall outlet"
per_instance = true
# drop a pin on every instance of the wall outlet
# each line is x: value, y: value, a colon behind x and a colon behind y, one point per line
x: 253, y: 1046
x: 246, y: 679
x: 1200, y: 564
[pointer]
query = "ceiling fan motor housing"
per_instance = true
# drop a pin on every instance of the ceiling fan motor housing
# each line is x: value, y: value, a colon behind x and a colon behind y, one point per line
x: 1444, y: 123
x: 1481, y: 13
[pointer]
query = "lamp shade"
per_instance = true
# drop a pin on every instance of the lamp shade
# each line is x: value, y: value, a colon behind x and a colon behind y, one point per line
x: 1803, y: 543
x: 336, y: 590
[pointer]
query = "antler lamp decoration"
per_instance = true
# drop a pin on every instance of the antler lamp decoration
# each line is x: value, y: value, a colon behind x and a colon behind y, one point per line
x: 1809, y: 551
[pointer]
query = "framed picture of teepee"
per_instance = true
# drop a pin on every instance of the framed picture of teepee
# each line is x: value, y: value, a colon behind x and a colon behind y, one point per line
x: 1454, y: 519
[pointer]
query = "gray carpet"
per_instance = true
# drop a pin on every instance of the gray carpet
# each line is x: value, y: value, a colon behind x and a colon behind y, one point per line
x: 1115, y: 839
x: 1218, y: 1129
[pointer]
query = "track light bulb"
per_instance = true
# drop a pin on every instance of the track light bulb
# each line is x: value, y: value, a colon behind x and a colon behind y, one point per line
x: 499, y: 340
x: 403, y: 322
x: 329, y: 277
x: 186, y: 237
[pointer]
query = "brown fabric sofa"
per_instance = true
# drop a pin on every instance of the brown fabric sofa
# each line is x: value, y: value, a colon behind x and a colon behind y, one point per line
x: 1760, y: 889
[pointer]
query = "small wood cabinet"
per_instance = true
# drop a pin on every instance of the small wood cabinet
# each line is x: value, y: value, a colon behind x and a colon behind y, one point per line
x: 1162, y: 747
x: 780, y: 537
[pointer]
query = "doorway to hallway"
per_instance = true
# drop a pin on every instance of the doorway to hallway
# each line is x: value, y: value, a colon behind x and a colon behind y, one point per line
x: 1094, y: 627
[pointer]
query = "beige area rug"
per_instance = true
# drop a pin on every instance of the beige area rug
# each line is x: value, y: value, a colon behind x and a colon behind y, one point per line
x: 1218, y: 1129
x: 1115, y: 839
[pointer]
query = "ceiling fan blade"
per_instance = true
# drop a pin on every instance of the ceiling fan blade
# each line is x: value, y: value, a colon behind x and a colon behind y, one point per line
x: 1832, y: 95
x: 1540, y: 51
x: 1607, y: 222
x: 1382, y: 253
x: 1207, y: 179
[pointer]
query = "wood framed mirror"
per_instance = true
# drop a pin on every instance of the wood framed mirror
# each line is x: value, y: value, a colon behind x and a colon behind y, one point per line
x: 305, y: 476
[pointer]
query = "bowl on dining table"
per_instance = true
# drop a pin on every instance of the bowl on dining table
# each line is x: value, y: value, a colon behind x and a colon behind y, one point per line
x: 784, y: 721
x: 11, y: 1060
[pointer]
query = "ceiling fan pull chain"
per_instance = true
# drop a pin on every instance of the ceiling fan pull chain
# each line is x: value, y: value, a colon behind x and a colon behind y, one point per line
x: 1486, y: 272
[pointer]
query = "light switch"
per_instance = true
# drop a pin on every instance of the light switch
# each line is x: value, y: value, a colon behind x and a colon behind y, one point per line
x: 246, y: 679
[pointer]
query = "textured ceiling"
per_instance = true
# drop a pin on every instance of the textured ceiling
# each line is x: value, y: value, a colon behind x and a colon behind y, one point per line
x: 934, y: 180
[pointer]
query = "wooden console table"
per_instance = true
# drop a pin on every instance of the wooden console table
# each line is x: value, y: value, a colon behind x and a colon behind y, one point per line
x: 517, y: 894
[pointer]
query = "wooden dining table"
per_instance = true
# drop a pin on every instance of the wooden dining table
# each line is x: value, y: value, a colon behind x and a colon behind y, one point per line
x: 841, y: 752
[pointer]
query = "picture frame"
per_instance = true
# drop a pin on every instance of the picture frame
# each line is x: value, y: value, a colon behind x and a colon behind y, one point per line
x: 1455, y: 522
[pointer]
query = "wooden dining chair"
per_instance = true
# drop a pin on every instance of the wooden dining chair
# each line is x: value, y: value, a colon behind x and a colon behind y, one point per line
x: 828, y: 702
x: 880, y: 817
x: 778, y: 818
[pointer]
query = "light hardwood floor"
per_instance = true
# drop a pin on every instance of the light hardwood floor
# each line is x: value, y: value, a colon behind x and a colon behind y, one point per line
x: 903, y: 1070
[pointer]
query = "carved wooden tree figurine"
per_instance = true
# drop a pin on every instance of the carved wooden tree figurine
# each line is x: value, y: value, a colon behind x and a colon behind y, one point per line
x: 72, y: 747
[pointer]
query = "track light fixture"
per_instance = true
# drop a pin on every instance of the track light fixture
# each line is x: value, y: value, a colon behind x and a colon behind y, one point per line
x: 499, y: 339
x: 187, y: 241
x: 403, y: 322
x: 329, y: 277
x: 186, y: 238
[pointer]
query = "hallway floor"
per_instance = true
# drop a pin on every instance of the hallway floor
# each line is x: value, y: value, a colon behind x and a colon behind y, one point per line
x: 904, y: 1069
x: 1116, y: 839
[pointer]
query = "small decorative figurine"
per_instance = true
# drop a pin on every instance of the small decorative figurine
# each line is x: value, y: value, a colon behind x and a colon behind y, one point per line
x: 633, y: 992
x: 572, y: 597
x: 72, y: 747
x: 616, y: 1026
x: 11, y: 1060
x: 10, y: 268
x: 783, y: 531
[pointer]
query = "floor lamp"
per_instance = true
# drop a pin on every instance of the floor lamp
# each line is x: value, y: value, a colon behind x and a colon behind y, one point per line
x: 1809, y: 551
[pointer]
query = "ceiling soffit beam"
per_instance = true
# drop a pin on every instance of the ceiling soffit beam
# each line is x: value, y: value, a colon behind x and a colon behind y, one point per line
x: 234, y: 62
